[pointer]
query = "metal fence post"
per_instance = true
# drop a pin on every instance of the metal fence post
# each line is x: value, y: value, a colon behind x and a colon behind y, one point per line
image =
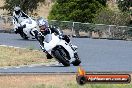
x: 72, y: 29
x: 77, y: 27
x: 109, y: 31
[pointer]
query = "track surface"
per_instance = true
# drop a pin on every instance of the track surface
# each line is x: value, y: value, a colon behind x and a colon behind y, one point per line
x: 98, y: 55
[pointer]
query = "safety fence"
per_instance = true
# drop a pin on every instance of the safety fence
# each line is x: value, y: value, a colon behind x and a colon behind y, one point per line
x: 6, y: 23
x: 94, y: 30
x: 78, y: 29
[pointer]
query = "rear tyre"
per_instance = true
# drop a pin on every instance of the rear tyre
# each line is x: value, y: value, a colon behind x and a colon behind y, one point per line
x: 61, y: 56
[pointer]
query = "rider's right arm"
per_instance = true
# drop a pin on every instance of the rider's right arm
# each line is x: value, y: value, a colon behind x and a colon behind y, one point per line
x: 15, y: 20
x: 15, y: 27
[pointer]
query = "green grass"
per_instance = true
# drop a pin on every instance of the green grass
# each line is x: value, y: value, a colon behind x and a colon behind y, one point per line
x: 44, y: 86
x: 74, y: 85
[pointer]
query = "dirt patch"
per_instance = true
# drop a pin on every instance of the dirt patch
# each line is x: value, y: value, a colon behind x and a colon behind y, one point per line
x: 50, y: 81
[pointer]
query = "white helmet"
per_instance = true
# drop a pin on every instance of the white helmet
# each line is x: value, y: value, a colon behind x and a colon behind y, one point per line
x: 17, y: 8
x: 42, y: 22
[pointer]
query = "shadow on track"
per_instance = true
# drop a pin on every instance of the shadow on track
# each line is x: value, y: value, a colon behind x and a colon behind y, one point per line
x: 55, y: 66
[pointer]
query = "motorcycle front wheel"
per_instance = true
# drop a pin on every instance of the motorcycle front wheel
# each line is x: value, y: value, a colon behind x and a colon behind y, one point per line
x: 62, y: 57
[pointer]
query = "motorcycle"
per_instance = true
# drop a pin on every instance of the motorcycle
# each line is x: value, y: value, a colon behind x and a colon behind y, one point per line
x: 27, y: 28
x: 60, y: 50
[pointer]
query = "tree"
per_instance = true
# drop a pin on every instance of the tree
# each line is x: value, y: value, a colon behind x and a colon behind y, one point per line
x: 124, y: 5
x: 109, y: 17
x: 103, y: 2
x: 75, y: 10
x: 26, y: 5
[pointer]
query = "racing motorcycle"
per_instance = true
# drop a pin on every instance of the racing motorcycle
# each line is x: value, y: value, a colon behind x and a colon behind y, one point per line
x: 60, y: 50
x: 27, y: 28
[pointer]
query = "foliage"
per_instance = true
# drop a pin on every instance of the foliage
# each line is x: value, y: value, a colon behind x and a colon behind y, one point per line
x: 75, y: 10
x: 110, y: 17
x: 103, y: 2
x: 26, y: 5
x: 124, y: 5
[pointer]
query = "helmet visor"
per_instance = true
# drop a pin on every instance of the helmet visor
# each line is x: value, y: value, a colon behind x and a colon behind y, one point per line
x: 17, y: 12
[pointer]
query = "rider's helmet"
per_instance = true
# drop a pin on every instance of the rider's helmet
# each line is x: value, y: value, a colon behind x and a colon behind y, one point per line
x: 42, y: 22
x: 17, y: 10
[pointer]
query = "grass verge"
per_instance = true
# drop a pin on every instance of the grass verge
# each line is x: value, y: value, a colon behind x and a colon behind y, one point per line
x: 17, y: 56
x: 50, y: 81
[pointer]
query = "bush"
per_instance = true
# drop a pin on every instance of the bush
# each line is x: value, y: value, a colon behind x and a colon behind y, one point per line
x: 110, y: 17
x: 75, y: 10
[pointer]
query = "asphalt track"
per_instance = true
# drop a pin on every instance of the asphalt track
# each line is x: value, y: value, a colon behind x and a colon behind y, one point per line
x: 97, y: 55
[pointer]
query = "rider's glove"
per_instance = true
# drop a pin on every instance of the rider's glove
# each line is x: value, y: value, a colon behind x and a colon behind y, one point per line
x: 16, y: 30
x: 44, y: 51
x: 60, y: 36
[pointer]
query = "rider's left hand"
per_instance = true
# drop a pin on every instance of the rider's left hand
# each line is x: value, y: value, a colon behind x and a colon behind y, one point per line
x: 60, y: 36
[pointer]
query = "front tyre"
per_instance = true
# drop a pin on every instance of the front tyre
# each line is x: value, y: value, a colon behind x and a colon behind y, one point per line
x: 61, y: 56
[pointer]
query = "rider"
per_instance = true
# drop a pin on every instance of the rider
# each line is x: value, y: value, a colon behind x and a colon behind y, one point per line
x: 46, y: 29
x: 18, y: 15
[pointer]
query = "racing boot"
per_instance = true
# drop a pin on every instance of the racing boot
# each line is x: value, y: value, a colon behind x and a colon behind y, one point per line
x: 48, y: 56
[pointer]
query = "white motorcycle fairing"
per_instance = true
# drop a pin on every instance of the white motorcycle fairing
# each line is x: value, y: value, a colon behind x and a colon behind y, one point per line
x: 51, y: 41
x: 30, y: 27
